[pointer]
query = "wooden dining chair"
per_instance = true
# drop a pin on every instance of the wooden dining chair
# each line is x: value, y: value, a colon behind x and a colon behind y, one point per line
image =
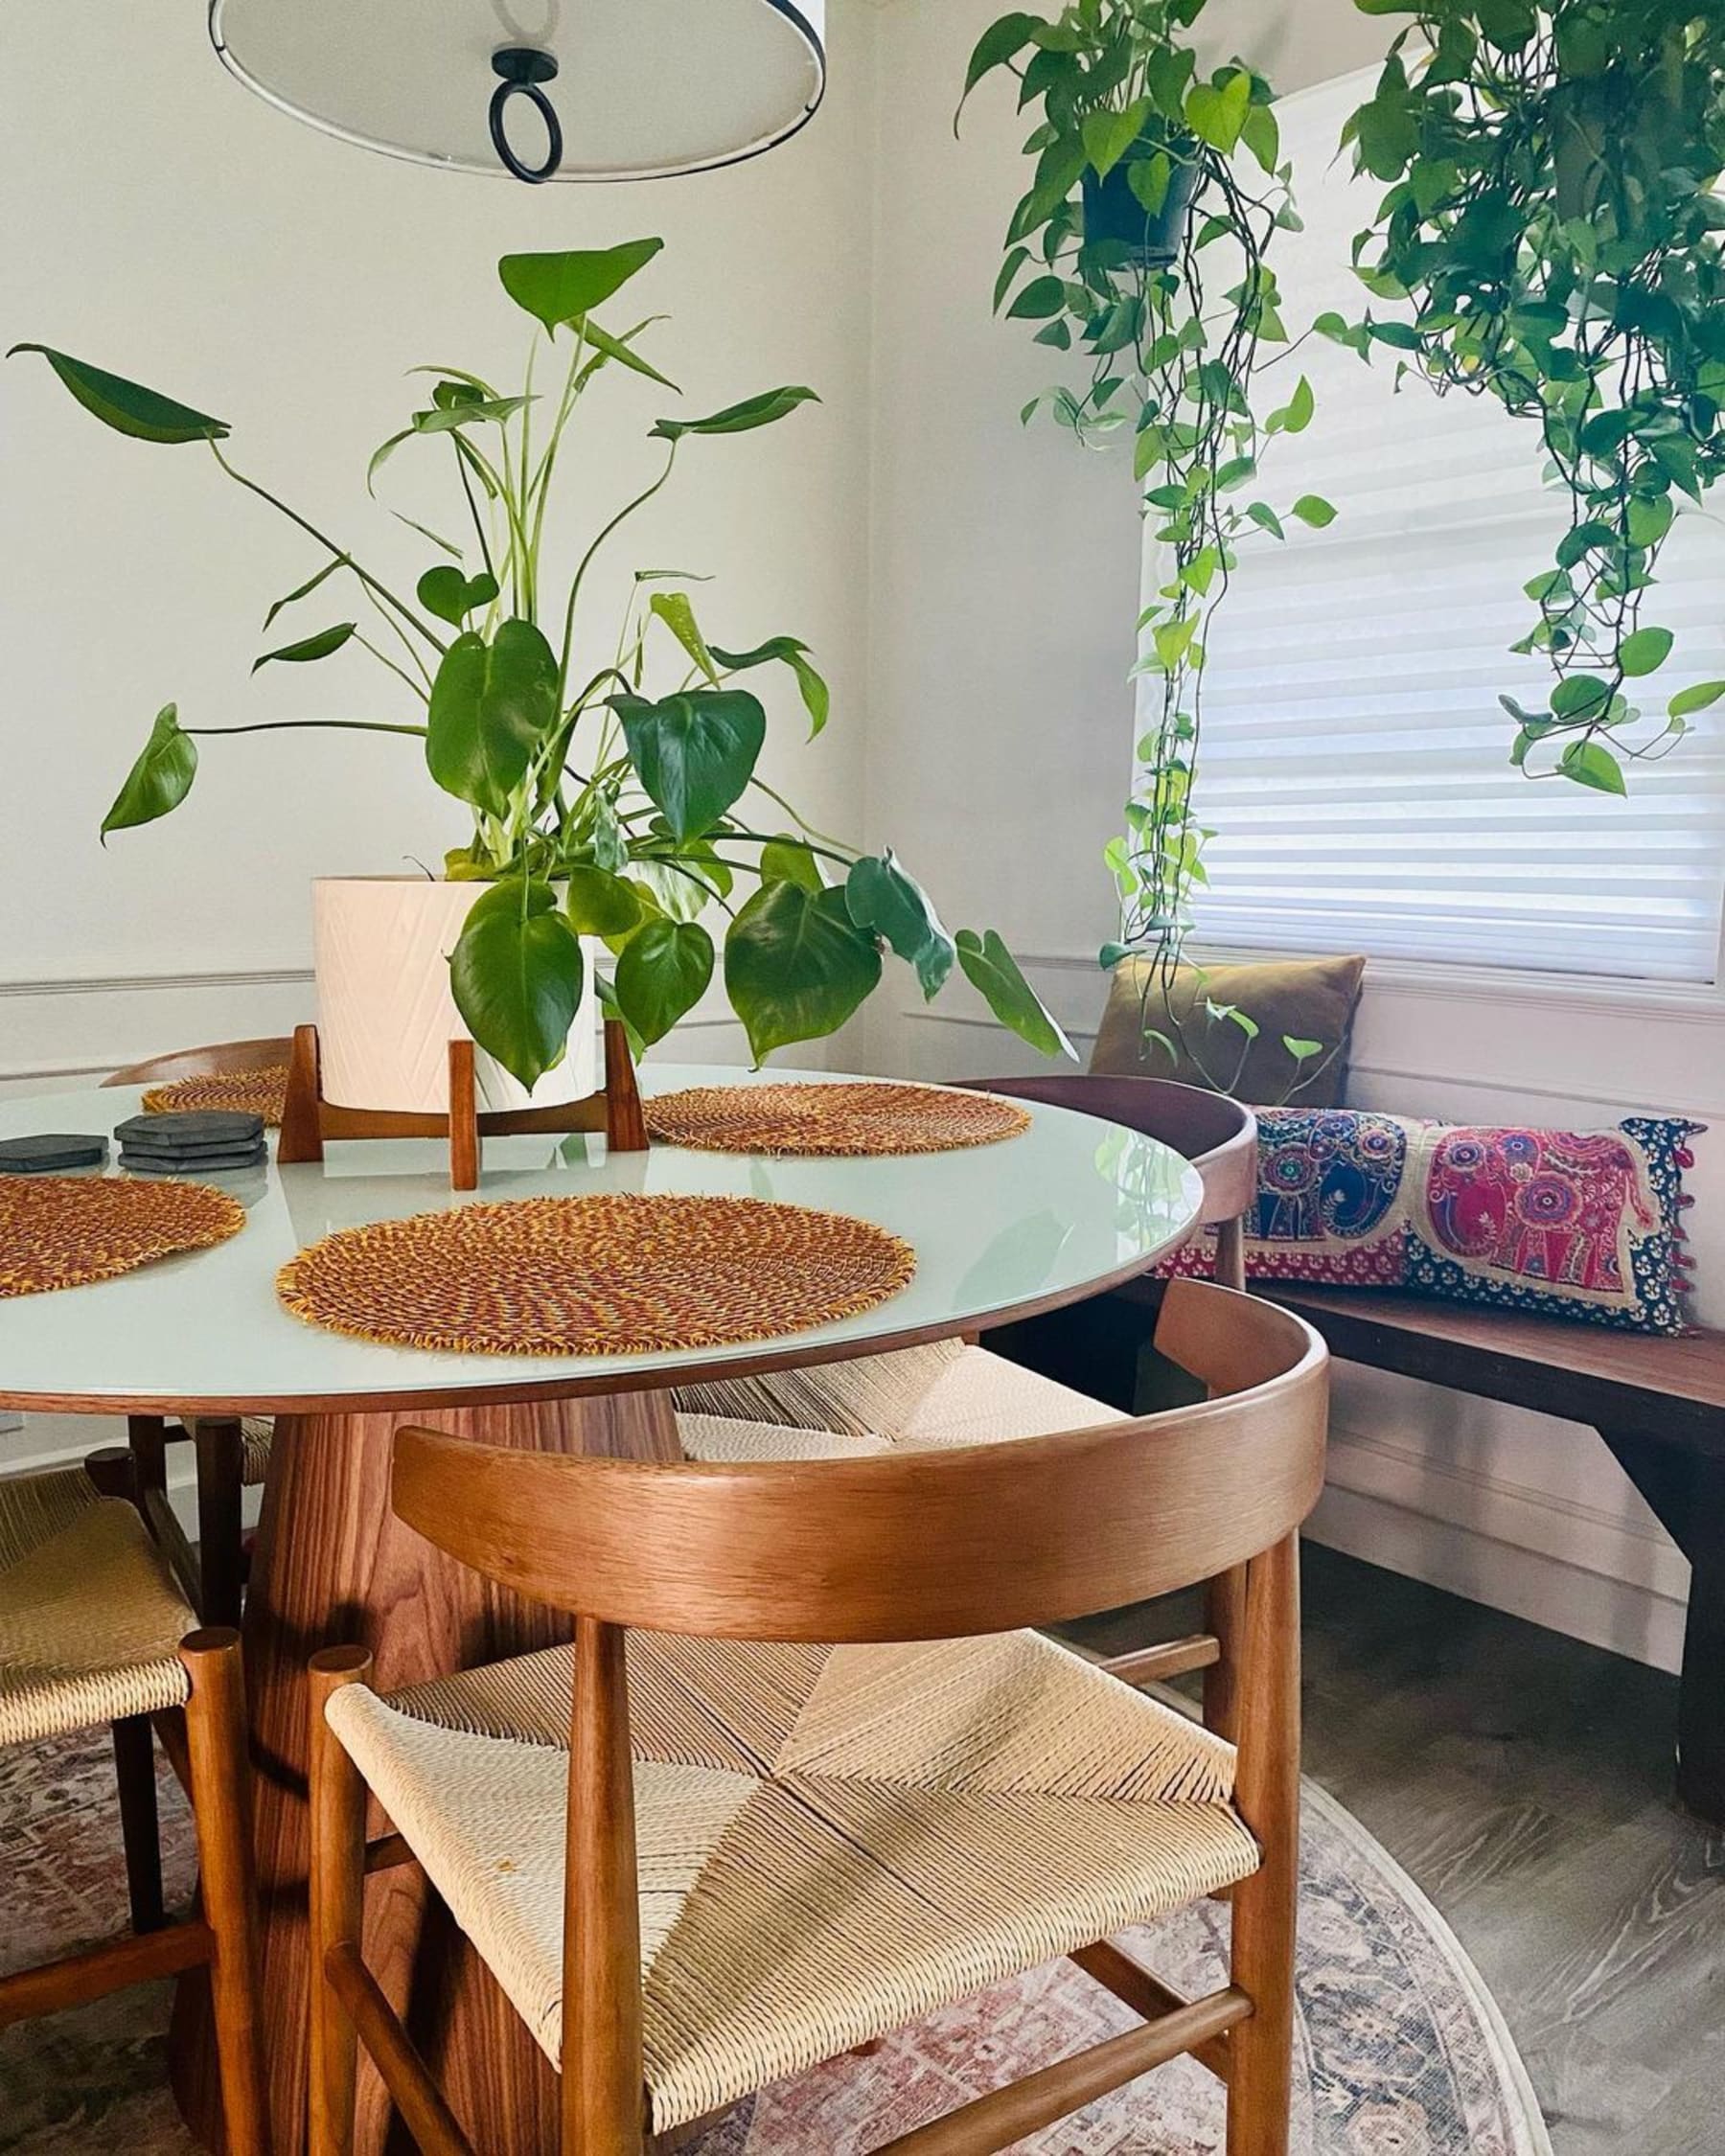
x: 953, y: 1393
x: 232, y: 1455
x: 94, y: 1629
x: 803, y: 1777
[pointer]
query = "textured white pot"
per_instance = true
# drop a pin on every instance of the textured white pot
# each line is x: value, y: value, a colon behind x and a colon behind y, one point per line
x: 385, y: 1015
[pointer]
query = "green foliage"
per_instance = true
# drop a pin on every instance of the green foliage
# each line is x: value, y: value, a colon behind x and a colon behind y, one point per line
x: 126, y: 406
x: 661, y: 976
x: 1552, y: 222
x: 608, y: 775
x: 517, y: 973
x: 885, y: 902
x: 561, y: 290
x: 796, y: 966
x: 695, y: 754
x: 1141, y: 246
x: 159, y: 781
x: 990, y: 967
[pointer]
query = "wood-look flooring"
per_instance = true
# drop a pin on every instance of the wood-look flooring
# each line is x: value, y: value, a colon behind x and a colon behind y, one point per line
x: 1525, y: 1781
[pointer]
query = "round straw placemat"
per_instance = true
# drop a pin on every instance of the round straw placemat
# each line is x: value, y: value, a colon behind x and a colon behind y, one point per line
x: 65, y: 1231
x: 246, y: 1092
x: 605, y: 1275
x: 832, y: 1121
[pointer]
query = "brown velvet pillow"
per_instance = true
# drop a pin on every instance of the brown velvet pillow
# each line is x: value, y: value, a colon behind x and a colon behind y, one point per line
x: 1304, y: 998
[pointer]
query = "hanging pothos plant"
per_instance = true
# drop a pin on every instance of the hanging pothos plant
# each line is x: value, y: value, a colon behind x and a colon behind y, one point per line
x: 611, y: 775
x: 1141, y: 246
x: 1553, y: 215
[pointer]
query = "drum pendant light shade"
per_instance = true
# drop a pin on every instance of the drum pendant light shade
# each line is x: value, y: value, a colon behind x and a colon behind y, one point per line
x: 624, y: 90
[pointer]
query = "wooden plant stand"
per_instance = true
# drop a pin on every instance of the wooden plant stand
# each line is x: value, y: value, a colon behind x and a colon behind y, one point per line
x: 309, y: 1121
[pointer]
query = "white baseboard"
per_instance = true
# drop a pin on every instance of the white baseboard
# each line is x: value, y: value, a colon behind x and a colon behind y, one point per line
x: 1616, y: 1615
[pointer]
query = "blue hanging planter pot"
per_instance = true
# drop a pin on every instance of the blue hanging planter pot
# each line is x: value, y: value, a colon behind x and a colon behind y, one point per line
x: 1115, y: 217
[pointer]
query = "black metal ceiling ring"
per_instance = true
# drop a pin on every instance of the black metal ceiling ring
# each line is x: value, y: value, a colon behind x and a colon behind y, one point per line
x: 524, y: 70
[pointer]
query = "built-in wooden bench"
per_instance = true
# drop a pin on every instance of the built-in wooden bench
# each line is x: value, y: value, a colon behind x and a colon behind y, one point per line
x: 1658, y: 1403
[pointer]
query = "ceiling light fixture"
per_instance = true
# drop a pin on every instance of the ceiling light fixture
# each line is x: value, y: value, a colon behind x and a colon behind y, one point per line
x: 545, y: 89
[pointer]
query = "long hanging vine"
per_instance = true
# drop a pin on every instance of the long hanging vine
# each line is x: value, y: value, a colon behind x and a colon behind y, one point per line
x: 1143, y: 246
x: 1554, y: 217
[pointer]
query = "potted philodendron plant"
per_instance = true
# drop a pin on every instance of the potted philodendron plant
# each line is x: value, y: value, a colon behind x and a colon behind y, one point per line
x: 1553, y: 215
x: 614, y: 804
x: 1141, y: 246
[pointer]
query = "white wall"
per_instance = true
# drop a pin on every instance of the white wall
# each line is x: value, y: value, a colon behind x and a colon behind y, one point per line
x: 1005, y: 592
x: 161, y: 222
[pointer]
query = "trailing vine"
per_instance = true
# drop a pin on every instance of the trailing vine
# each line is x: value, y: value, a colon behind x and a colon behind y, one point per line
x: 1553, y: 217
x: 1141, y: 246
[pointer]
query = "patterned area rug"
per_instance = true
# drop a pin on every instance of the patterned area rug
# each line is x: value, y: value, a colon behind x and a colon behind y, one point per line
x: 1401, y: 2051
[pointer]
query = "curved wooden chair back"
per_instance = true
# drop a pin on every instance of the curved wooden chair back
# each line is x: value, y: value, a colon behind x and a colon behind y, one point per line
x: 224, y: 1058
x: 1215, y: 1132
x: 904, y: 1545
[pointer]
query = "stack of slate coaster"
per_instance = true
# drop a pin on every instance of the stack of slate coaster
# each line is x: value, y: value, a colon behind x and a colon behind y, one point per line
x: 51, y: 1153
x: 193, y: 1143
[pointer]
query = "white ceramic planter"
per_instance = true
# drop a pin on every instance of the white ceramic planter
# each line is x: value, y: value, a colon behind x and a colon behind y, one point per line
x: 385, y: 1015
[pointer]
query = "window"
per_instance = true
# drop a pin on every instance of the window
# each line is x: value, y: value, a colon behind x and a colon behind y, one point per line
x: 1355, y: 764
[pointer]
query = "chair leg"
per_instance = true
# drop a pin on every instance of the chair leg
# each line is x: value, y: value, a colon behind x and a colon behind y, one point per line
x: 1267, y: 1794
x: 338, y: 1900
x: 215, y: 1732
x: 1224, y: 1615
x: 134, y: 1776
x: 220, y: 1559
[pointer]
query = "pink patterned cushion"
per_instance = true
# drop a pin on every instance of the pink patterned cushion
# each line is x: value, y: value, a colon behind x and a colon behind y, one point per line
x: 1572, y: 1223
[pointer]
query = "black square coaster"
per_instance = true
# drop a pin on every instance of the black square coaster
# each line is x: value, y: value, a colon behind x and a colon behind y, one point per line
x: 51, y: 1153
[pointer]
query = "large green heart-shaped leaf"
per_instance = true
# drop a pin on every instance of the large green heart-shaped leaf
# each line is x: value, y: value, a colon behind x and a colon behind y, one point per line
x: 516, y: 974
x: 662, y: 975
x: 310, y: 648
x: 557, y: 290
x: 796, y: 966
x: 492, y: 705
x: 886, y: 902
x: 599, y: 904
x: 127, y: 407
x: 159, y: 781
x: 694, y: 754
x: 791, y: 651
x: 739, y: 418
x: 989, y: 966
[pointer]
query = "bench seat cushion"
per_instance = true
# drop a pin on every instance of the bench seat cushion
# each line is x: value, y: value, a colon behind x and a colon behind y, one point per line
x: 1565, y: 1224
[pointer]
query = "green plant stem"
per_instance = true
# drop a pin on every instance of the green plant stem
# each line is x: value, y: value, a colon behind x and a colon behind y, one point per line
x: 382, y: 658
x: 590, y: 556
x: 301, y: 725
x: 479, y: 530
x: 341, y: 553
x: 826, y: 838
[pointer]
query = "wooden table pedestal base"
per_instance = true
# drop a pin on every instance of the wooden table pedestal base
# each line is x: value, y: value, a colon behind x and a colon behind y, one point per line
x: 334, y: 1565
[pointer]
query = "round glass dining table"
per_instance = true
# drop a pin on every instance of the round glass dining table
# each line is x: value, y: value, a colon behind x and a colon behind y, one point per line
x: 1069, y: 1208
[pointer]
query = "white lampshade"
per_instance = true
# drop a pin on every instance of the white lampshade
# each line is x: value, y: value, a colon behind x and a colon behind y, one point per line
x: 643, y: 88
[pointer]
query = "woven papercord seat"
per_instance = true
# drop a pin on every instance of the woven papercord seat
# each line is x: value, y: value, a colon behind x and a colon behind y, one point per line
x: 90, y: 1617
x: 920, y: 1397
x: 833, y: 1841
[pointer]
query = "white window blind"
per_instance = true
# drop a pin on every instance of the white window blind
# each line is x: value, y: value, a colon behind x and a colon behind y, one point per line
x: 1355, y: 759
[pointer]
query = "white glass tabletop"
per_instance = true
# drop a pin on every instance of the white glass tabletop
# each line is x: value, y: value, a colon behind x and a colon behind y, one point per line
x: 998, y: 1230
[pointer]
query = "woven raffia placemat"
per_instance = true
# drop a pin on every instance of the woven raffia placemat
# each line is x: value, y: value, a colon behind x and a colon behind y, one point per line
x: 837, y: 1121
x: 246, y: 1092
x: 65, y: 1231
x: 606, y: 1275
